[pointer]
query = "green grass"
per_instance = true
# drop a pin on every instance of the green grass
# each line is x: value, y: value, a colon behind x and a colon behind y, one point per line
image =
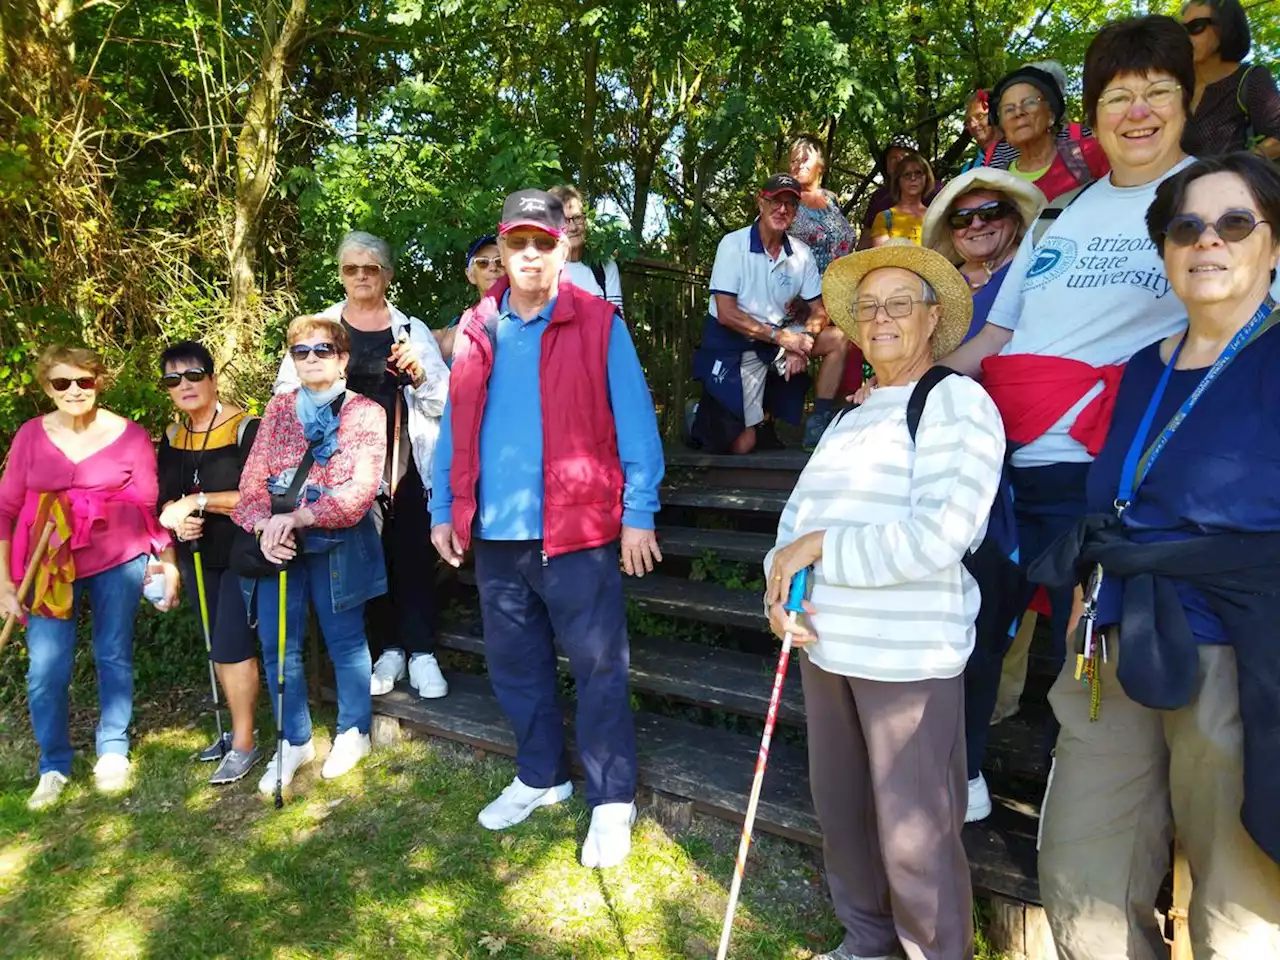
x: 386, y: 862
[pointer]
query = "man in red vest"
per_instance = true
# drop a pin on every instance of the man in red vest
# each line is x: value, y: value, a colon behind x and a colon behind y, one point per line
x: 548, y: 466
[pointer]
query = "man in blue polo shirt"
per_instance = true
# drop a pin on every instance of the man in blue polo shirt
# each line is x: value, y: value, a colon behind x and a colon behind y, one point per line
x: 753, y: 356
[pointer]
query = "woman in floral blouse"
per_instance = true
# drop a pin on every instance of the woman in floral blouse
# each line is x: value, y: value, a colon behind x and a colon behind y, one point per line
x: 819, y: 222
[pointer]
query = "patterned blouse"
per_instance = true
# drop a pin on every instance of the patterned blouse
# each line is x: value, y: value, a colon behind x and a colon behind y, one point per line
x: 348, y: 482
x: 1219, y: 125
x: 826, y: 232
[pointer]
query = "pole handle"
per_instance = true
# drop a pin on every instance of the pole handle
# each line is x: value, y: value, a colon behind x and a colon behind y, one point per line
x: 28, y: 579
x: 799, y: 587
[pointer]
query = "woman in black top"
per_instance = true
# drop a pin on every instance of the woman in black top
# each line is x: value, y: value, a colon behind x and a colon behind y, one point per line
x: 200, y: 460
x: 1236, y: 105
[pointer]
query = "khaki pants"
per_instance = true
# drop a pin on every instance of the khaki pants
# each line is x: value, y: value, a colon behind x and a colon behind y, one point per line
x: 1013, y: 675
x: 1118, y: 791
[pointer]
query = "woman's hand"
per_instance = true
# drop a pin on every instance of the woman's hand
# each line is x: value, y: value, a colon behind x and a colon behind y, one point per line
x: 172, y: 582
x: 788, y: 561
x: 405, y: 357
x: 191, y: 528
x: 9, y: 606
x: 174, y: 512
x: 863, y: 393
x: 276, y: 538
x: 780, y: 624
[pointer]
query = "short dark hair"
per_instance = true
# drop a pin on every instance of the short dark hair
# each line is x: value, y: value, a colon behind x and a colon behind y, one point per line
x: 1260, y: 177
x: 187, y: 350
x: 1232, y: 23
x: 1152, y: 44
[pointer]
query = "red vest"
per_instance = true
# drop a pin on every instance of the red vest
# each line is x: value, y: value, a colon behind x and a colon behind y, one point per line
x: 581, y: 472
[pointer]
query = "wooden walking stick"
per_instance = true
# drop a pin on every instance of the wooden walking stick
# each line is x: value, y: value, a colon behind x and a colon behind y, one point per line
x: 27, y: 579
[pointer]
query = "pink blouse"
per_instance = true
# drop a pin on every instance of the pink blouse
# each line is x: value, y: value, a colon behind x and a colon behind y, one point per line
x: 112, y: 493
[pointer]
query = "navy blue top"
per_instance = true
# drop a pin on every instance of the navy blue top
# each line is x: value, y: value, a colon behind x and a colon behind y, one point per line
x: 1219, y: 473
x: 983, y: 298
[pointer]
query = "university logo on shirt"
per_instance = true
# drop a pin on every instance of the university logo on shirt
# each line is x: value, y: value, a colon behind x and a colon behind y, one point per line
x: 1053, y: 257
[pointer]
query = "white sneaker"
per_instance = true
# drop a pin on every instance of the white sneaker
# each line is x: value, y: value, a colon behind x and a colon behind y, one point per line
x: 47, y: 790
x: 517, y: 801
x: 609, y: 838
x: 388, y: 670
x: 349, y: 748
x: 426, y: 678
x: 111, y: 773
x: 979, y: 800
x: 294, y: 757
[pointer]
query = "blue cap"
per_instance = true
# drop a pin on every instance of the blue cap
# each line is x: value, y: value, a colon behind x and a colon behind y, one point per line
x: 484, y: 241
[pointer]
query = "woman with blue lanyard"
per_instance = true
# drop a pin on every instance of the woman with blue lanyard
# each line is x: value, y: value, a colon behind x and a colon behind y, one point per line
x: 1170, y: 709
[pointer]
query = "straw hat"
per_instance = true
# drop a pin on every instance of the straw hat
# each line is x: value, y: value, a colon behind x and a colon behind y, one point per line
x: 1025, y: 196
x: 840, y: 289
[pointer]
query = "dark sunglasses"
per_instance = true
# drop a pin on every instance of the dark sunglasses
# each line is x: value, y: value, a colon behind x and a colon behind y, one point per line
x: 1233, y: 226
x: 1198, y: 26
x: 989, y: 212
x: 63, y: 384
x: 171, y: 380
x: 363, y: 269
x: 543, y: 243
x: 300, y: 351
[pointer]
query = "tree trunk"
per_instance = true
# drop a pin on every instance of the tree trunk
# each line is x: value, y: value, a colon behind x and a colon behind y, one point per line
x: 590, y: 97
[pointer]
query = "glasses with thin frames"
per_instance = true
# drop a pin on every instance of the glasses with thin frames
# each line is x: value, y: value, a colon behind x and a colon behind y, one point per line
x: 574, y: 221
x: 542, y: 242
x: 63, y: 384
x: 1120, y: 101
x: 895, y: 307
x: 194, y: 375
x: 990, y: 212
x: 1186, y: 229
x: 361, y: 269
x: 1198, y: 26
x: 323, y: 351
x: 1025, y: 105
x: 484, y: 263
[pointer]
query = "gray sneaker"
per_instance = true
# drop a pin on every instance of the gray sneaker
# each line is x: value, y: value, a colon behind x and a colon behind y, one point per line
x: 235, y: 765
x: 216, y: 750
x: 845, y: 952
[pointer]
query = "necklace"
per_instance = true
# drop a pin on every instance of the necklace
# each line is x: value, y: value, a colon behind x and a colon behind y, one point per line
x: 981, y: 283
x: 199, y: 458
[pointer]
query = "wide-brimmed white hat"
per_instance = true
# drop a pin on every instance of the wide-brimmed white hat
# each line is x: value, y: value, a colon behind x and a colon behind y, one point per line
x: 1025, y: 196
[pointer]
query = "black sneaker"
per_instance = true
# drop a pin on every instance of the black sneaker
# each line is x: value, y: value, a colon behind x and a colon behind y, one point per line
x: 235, y: 765
x: 216, y: 750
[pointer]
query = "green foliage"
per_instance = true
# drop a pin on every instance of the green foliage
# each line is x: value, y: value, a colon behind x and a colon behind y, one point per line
x: 728, y: 573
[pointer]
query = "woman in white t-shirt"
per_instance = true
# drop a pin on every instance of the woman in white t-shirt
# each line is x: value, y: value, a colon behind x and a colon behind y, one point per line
x: 602, y: 279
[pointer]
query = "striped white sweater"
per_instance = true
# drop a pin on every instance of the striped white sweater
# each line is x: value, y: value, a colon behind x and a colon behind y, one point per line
x: 893, y: 599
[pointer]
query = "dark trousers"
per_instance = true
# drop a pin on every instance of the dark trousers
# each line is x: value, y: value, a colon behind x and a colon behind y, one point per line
x: 576, y: 600
x: 405, y: 616
x: 1047, y: 501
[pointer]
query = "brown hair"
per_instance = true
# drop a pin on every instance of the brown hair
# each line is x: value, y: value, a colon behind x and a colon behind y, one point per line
x: 913, y: 156
x: 565, y: 192
x: 1141, y: 45
x: 308, y: 324
x: 81, y: 357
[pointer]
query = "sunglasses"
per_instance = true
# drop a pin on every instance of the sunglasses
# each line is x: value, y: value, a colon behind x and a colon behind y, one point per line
x: 542, y: 242
x: 484, y: 263
x: 1198, y: 26
x: 361, y: 269
x: 323, y: 351
x: 989, y: 212
x: 171, y: 380
x: 63, y: 384
x: 1233, y: 226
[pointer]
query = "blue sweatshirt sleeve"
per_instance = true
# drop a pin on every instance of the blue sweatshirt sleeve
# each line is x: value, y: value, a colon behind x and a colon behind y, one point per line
x: 639, y: 445
x: 441, y: 505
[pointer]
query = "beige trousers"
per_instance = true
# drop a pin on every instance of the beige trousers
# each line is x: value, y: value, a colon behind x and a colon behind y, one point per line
x: 1118, y: 791
x: 1013, y: 674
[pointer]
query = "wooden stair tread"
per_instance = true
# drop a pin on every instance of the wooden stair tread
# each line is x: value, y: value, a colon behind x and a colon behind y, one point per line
x: 739, y: 545
x: 683, y: 457
x: 723, y: 498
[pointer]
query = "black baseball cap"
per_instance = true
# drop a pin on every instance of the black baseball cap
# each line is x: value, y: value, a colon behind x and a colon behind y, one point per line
x: 532, y: 208
x: 479, y: 242
x: 780, y: 183
x: 1042, y: 80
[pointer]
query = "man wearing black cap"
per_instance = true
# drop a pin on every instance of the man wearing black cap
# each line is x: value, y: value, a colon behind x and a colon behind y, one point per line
x: 548, y: 464
x: 752, y: 357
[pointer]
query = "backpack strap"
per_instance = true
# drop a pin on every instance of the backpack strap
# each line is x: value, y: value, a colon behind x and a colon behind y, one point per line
x: 1244, y: 78
x: 920, y: 396
x: 1073, y: 156
x: 597, y: 271
x: 242, y: 428
x: 171, y: 432
x: 888, y: 221
x: 1054, y: 210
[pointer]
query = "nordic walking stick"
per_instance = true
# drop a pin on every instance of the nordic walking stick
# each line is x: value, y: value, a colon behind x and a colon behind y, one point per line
x: 794, y: 606
x: 27, y: 579
x: 280, y: 646
x: 208, y: 644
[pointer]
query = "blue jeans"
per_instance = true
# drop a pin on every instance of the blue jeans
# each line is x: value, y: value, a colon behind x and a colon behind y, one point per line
x: 113, y: 596
x: 308, y: 583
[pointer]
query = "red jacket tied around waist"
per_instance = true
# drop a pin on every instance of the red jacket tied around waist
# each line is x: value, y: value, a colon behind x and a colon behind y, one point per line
x: 1033, y: 393
x: 582, y: 474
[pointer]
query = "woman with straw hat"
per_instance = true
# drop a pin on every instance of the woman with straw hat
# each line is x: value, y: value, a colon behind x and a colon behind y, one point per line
x: 886, y: 511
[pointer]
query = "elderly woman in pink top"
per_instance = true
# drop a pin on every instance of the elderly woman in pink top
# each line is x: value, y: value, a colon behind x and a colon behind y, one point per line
x: 91, y: 474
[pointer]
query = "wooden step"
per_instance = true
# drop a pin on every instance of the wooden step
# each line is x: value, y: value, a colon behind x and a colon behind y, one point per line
x: 710, y: 497
x: 713, y: 769
x: 738, y: 545
x: 791, y: 460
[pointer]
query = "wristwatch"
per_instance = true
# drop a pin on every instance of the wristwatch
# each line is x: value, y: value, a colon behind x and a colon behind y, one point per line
x: 201, y: 501
x: 773, y: 334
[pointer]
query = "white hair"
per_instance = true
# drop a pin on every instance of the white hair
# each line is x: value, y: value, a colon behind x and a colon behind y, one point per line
x: 928, y: 294
x: 359, y: 240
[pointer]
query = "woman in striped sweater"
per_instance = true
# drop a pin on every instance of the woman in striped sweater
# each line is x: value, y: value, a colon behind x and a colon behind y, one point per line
x: 886, y: 522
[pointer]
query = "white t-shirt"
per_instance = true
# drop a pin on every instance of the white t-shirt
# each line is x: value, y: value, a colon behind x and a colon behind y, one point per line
x: 1094, y: 290
x: 764, y: 285
x: 581, y: 276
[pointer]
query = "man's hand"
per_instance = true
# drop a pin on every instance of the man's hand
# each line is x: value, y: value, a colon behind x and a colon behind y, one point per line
x: 447, y: 544
x: 405, y: 357
x: 796, y: 365
x: 794, y: 342
x: 639, y: 551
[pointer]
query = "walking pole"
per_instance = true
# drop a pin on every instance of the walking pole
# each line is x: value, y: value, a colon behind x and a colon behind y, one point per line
x: 280, y: 646
x: 794, y: 606
x: 208, y: 644
x: 28, y: 578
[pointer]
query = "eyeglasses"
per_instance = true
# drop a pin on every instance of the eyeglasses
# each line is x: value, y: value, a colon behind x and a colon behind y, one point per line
x: 63, y: 384
x: 171, y: 380
x: 912, y: 175
x: 543, y: 243
x: 484, y: 263
x: 1198, y: 26
x: 989, y: 212
x: 1120, y: 101
x: 361, y: 269
x: 790, y: 204
x: 894, y: 307
x: 1233, y: 226
x: 323, y: 351
x: 1025, y: 105
x: 572, y: 221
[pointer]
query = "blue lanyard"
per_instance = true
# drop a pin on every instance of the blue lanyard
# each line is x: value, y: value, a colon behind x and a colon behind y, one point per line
x: 1137, y: 464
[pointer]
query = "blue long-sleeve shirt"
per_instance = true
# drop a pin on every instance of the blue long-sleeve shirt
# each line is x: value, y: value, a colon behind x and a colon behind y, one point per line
x: 510, y: 490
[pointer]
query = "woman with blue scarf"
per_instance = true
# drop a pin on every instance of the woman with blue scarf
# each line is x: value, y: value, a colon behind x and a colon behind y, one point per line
x: 329, y: 538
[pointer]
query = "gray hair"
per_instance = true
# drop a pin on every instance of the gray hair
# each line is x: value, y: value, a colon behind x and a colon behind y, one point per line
x: 928, y: 294
x: 359, y: 240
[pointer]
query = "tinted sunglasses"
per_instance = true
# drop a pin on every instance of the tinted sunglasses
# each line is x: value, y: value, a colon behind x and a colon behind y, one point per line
x: 988, y: 212
x: 1233, y: 226
x: 542, y: 242
x: 1198, y: 26
x: 363, y: 269
x: 300, y: 351
x: 63, y: 384
x: 484, y: 263
x: 171, y: 380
